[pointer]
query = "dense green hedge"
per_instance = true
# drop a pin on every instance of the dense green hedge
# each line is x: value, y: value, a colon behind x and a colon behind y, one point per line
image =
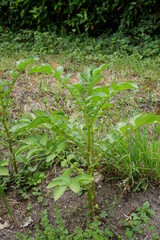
x: 91, y: 16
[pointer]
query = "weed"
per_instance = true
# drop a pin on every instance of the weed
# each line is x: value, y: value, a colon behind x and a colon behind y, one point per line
x: 136, y: 157
x: 137, y: 220
x: 59, y: 231
x: 134, y: 226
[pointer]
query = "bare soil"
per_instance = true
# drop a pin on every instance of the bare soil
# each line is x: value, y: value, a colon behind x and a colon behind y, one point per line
x: 74, y: 209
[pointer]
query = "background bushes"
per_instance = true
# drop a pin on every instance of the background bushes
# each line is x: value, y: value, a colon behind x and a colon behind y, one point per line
x: 137, y: 17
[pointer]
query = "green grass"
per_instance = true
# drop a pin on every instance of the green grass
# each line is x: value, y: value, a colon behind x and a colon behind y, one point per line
x: 122, y: 56
x: 136, y: 157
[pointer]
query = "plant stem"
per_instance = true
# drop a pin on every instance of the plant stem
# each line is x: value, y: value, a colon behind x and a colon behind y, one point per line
x: 92, y: 160
x: 13, y: 158
x: 6, y: 202
x: 89, y: 150
x: 90, y: 203
x: 10, y: 146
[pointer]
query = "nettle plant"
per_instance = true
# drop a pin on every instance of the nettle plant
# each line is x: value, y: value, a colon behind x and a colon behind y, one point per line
x: 82, y: 131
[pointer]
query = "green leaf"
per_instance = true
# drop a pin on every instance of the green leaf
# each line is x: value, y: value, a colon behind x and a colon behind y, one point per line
x: 3, y: 171
x: 51, y: 157
x: 104, y: 90
x: 60, y: 147
x: 38, y: 121
x: 84, y: 179
x: 33, y: 152
x: 67, y: 172
x: 98, y: 79
x: 59, y: 181
x: 19, y: 127
x: 32, y: 169
x: 44, y: 140
x: 58, y: 192
x: 64, y: 163
x: 21, y: 65
x: 107, y: 105
x: 14, y: 74
x: 74, y: 186
x: 47, y: 69
x: 144, y: 118
x: 4, y: 163
x: 3, y: 83
x: 123, y: 86
x: 98, y: 70
x: 30, y: 140
x: 70, y: 157
x: 22, y: 149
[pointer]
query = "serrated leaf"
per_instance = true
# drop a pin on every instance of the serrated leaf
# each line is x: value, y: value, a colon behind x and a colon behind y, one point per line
x: 47, y: 69
x: 58, y: 192
x: 74, y: 186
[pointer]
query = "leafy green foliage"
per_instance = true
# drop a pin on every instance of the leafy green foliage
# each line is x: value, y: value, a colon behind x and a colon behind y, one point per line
x: 133, y: 226
x: 91, y: 99
x: 6, y: 88
x: 93, y: 17
x: 135, y: 157
x: 136, y: 221
x: 59, y: 231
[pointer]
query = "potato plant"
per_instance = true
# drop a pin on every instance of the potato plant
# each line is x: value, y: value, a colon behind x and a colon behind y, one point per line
x: 92, y: 100
x: 82, y: 131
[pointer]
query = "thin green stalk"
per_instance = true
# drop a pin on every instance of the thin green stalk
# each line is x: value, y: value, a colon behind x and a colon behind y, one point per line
x: 92, y: 160
x: 6, y: 202
x: 13, y: 159
x: 14, y: 163
x: 89, y: 194
x: 89, y: 150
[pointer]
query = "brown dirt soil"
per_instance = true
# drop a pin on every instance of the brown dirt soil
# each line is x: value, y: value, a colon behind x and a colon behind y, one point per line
x: 74, y: 211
